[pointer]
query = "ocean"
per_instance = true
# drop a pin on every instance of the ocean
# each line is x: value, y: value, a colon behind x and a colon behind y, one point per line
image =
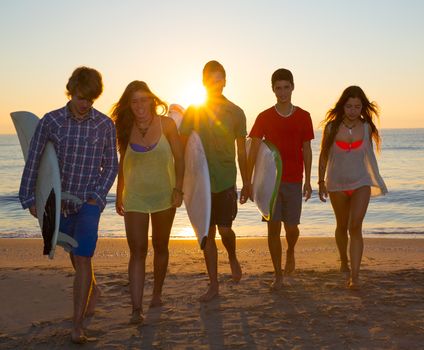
x: 400, y: 213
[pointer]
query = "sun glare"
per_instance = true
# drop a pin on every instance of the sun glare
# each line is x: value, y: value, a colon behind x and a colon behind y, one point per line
x: 192, y: 94
x: 186, y: 232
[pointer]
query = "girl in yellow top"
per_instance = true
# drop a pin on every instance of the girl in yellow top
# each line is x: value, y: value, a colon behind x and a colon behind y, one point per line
x: 150, y: 180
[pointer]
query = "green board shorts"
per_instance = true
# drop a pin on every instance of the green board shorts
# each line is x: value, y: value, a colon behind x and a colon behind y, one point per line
x: 224, y: 207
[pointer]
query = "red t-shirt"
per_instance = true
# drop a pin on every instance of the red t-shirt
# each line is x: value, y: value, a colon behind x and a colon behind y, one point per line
x: 288, y: 135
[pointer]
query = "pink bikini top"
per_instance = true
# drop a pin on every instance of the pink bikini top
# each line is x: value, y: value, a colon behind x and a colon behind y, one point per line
x: 349, y: 145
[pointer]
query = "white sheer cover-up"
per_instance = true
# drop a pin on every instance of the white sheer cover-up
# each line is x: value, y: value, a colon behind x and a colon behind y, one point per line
x: 354, y: 168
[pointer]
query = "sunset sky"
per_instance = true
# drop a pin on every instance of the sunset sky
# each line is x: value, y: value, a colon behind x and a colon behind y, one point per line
x: 327, y: 44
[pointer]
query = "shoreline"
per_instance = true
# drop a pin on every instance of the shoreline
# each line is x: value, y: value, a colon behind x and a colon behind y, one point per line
x: 24, y: 252
x: 313, y: 310
x: 384, y: 235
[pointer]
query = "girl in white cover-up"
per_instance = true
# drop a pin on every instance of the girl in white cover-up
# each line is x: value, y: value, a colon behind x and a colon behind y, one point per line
x: 348, y: 172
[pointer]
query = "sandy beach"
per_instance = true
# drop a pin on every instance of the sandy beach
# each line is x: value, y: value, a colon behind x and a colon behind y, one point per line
x: 313, y: 310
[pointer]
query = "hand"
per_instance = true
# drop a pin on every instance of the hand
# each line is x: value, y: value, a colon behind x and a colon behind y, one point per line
x: 119, y: 207
x: 92, y: 201
x: 307, y: 191
x: 245, y: 194
x: 323, y: 193
x: 33, y: 210
x: 177, y: 198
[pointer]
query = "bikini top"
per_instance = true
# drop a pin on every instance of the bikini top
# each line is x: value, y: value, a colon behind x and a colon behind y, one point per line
x: 140, y: 148
x: 349, y: 145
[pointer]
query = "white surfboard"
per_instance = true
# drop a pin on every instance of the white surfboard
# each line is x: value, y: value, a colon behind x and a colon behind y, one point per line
x: 48, y: 186
x: 266, y: 177
x: 196, y: 185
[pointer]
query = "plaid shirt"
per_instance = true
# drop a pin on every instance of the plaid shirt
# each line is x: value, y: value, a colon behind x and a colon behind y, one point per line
x: 86, y: 150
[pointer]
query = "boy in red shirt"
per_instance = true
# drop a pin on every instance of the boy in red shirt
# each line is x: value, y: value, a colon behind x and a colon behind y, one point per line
x: 290, y: 129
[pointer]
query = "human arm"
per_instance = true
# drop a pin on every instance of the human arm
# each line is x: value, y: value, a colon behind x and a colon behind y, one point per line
x: 30, y: 172
x: 33, y: 210
x: 322, y: 166
x: 119, y: 206
x: 242, y: 163
x: 174, y: 140
x: 307, y: 161
x: 251, y: 162
x: 109, y: 168
x: 186, y: 128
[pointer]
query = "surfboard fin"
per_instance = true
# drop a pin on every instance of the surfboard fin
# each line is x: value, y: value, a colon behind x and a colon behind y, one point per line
x: 66, y: 242
x: 71, y: 197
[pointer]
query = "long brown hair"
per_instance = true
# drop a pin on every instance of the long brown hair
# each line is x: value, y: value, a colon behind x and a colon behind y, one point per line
x: 335, y: 116
x: 123, y: 117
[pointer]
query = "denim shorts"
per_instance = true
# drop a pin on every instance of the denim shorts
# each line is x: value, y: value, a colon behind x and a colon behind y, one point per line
x: 288, y: 206
x: 83, y: 227
x: 224, y: 207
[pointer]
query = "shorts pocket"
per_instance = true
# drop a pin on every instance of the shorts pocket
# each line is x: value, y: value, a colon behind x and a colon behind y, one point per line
x: 90, y: 209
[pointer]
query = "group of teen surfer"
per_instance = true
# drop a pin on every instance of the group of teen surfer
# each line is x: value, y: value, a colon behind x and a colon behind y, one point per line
x: 151, y: 171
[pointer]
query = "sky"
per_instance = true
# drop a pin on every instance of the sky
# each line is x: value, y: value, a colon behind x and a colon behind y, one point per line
x: 327, y: 44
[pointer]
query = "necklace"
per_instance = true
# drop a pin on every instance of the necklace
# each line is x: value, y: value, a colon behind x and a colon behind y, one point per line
x: 349, y: 127
x: 143, y: 131
x: 285, y: 115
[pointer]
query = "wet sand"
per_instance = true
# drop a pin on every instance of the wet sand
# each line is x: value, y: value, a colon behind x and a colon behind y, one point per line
x: 313, y: 310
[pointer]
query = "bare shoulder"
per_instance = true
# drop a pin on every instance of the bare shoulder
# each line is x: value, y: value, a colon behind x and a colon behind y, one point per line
x: 368, y: 128
x: 327, y: 128
x: 167, y: 120
x: 168, y: 124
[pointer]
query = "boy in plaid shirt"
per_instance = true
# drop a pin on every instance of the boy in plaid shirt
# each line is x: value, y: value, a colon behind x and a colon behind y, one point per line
x: 85, y: 143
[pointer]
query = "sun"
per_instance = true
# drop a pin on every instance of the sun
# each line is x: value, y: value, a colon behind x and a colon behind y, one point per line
x: 192, y: 94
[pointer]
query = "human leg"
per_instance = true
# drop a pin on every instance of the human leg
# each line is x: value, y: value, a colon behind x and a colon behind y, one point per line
x: 137, y: 227
x: 292, y: 235
x: 94, y: 294
x: 81, y: 291
x: 224, y: 210
x: 210, y: 253
x: 358, y: 208
x: 229, y: 241
x: 291, y: 209
x: 275, y: 250
x: 161, y: 230
x: 83, y: 227
x: 341, y: 208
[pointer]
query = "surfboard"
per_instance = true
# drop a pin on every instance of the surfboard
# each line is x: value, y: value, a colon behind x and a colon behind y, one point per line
x: 196, y: 184
x: 48, y: 186
x: 266, y: 177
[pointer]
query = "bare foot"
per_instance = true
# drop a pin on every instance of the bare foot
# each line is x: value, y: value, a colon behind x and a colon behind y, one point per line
x: 344, y: 269
x: 290, y: 263
x: 137, y: 317
x: 210, y: 294
x: 78, y: 336
x: 344, y: 266
x: 94, y: 297
x: 277, y: 284
x: 353, y: 283
x: 156, y: 302
x: 235, y: 270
